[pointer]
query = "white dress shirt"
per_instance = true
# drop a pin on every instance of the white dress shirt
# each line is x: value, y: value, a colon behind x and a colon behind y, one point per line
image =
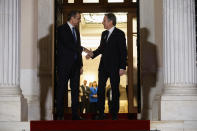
x: 71, y: 27
x: 110, y: 31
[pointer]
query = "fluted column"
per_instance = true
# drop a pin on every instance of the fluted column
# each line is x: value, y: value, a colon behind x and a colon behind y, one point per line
x: 179, y: 43
x: 9, y: 42
x: 179, y: 95
x: 10, y: 93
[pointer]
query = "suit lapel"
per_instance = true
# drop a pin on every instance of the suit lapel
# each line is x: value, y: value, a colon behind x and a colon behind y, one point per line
x: 70, y: 33
x: 105, y: 36
x: 78, y: 36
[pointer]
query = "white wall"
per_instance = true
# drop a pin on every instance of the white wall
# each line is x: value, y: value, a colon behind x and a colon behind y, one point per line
x: 151, y: 56
x: 29, y: 57
x: 45, y: 41
x: 36, y: 37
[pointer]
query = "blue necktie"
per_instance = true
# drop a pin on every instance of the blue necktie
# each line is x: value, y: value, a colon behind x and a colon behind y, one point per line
x: 74, y: 34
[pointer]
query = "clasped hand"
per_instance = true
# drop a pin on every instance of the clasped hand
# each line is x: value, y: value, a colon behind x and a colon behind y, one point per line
x: 89, y: 53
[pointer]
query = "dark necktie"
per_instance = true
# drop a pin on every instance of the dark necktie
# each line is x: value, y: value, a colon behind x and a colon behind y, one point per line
x: 74, y: 34
x: 106, y: 36
x: 75, y: 37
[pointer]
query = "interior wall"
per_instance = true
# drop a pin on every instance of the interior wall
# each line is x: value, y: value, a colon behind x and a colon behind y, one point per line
x: 90, y: 38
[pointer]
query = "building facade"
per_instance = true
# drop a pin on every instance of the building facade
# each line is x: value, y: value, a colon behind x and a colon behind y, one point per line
x: 26, y: 28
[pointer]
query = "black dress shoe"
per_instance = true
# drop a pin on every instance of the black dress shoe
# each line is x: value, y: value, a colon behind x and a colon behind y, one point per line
x: 100, y: 117
x: 115, y: 117
x: 77, y: 118
x: 60, y: 118
x: 97, y: 117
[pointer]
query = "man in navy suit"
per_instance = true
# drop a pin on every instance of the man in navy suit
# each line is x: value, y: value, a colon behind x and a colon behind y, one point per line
x: 69, y: 64
x: 112, y: 64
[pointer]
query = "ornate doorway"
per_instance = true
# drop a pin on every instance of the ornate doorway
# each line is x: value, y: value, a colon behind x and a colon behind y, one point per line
x: 130, y: 8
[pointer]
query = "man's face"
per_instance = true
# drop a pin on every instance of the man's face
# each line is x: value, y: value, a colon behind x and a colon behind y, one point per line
x: 106, y: 23
x: 84, y: 82
x: 76, y: 19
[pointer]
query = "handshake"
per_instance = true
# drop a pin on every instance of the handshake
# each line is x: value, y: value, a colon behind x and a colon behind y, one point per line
x: 89, y: 53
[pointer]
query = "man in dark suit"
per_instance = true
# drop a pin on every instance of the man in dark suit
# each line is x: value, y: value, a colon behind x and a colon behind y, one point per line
x: 112, y: 64
x: 85, y: 92
x: 69, y: 64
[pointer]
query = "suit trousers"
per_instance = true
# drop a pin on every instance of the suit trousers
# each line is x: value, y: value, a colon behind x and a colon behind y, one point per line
x: 114, y: 81
x: 84, y: 105
x: 62, y: 87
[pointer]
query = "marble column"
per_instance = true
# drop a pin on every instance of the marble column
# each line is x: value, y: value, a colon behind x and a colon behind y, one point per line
x: 12, y: 103
x: 179, y: 98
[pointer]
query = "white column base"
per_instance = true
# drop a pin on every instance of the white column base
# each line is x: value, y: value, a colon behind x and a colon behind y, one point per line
x: 13, y: 108
x: 14, y: 126
x: 156, y: 111
x: 179, y: 103
x: 174, y: 125
x: 167, y: 125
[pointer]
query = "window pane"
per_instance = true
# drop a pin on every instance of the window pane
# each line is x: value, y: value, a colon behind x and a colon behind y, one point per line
x: 135, y: 25
x: 98, y: 17
x: 115, y: 1
x: 70, y: 1
x: 90, y: 1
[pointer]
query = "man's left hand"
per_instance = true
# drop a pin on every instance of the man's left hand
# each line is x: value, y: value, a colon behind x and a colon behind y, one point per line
x: 122, y: 72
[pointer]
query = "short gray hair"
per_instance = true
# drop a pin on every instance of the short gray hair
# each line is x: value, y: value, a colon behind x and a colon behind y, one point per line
x: 111, y: 17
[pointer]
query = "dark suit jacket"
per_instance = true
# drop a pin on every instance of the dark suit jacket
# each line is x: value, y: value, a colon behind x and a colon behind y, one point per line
x: 114, y: 51
x: 86, y: 93
x: 67, y: 48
